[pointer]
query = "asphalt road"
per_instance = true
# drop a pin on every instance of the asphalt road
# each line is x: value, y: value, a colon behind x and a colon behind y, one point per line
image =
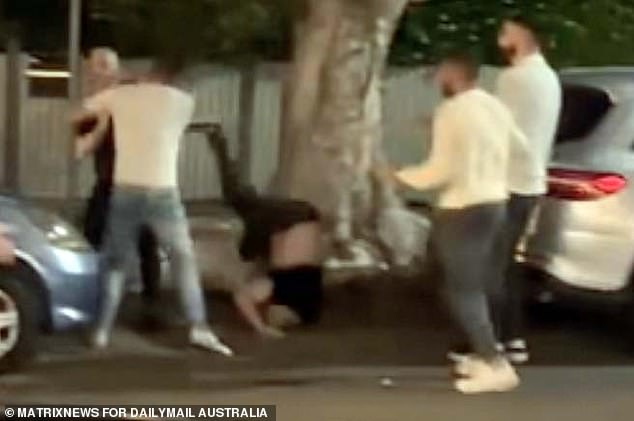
x: 582, y: 368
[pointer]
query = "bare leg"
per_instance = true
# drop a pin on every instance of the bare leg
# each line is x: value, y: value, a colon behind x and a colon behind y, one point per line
x: 247, y: 300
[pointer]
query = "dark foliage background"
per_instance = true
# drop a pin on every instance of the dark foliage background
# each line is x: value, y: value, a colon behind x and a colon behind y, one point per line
x: 591, y: 32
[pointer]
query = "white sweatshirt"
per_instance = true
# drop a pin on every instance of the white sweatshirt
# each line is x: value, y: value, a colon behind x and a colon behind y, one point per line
x: 532, y: 91
x: 474, y: 135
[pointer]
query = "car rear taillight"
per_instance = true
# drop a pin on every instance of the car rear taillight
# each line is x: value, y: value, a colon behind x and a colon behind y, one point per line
x: 583, y: 185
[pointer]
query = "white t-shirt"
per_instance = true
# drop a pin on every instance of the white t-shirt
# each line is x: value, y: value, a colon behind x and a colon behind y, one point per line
x: 474, y: 136
x: 532, y: 91
x: 149, y: 122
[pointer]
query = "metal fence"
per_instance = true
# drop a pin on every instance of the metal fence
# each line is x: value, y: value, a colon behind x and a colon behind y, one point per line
x: 44, y: 172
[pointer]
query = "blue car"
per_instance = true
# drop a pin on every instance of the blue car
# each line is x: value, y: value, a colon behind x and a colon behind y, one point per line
x: 52, y: 287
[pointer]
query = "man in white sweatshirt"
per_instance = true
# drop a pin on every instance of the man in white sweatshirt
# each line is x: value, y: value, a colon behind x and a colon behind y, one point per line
x: 532, y: 91
x: 474, y: 136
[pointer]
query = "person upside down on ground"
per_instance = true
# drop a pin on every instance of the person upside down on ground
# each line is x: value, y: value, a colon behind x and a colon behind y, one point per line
x: 282, y: 243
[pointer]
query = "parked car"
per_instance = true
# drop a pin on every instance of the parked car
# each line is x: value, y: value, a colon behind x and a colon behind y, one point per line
x: 583, y: 237
x: 52, y: 286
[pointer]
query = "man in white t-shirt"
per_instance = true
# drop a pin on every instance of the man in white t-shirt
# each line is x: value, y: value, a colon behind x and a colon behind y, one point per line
x: 149, y: 118
x: 532, y: 91
x: 103, y: 71
x: 474, y: 136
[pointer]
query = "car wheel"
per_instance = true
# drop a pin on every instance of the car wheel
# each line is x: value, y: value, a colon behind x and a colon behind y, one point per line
x: 18, y: 323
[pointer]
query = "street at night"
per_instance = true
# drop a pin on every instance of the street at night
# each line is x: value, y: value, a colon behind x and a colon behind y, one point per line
x: 379, y: 355
x: 317, y: 210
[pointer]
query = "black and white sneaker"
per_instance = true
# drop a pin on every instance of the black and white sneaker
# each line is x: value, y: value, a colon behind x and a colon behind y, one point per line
x: 517, y: 351
x: 462, y: 352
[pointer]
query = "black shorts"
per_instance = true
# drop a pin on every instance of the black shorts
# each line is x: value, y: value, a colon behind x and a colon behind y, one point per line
x: 269, y: 216
x: 301, y: 289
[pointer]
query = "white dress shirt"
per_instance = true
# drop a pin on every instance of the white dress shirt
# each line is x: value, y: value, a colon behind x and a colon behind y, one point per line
x: 532, y: 91
x: 474, y: 135
x: 149, y: 121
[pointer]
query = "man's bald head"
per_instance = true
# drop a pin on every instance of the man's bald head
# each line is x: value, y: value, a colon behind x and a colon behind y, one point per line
x: 103, y: 61
x: 103, y: 67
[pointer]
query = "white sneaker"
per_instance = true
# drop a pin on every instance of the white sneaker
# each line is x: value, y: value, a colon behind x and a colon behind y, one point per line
x: 466, y: 366
x: 463, y: 352
x: 99, y: 339
x: 496, y: 376
x: 203, y: 337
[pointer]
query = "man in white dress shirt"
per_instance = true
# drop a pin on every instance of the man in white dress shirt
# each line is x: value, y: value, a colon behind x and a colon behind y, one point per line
x: 532, y: 91
x: 474, y: 136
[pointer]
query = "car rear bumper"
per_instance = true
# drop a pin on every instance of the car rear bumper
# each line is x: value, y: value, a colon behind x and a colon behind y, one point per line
x: 543, y: 283
x: 586, y: 244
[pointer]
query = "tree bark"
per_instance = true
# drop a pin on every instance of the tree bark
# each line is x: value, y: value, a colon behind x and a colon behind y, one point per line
x: 332, y: 120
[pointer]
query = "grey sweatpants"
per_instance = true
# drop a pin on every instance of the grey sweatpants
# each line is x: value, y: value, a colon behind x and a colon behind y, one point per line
x: 464, y: 241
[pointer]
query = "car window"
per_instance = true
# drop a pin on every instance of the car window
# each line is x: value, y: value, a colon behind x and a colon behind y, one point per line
x: 583, y: 108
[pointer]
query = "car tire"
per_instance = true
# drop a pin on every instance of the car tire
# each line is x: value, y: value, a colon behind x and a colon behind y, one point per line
x: 19, y: 337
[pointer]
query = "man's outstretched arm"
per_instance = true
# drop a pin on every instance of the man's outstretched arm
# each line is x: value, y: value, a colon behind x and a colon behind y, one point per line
x: 87, y: 141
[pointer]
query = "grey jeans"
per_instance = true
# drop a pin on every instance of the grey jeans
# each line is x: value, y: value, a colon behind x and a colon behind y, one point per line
x: 464, y: 241
x: 162, y: 211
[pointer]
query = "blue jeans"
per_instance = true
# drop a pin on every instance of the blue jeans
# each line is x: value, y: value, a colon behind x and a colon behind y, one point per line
x: 162, y: 211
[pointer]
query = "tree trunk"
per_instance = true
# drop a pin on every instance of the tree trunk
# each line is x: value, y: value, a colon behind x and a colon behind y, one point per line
x: 332, y: 126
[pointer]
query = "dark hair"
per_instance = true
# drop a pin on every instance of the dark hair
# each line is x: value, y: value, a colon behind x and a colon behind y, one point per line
x: 466, y: 61
x: 169, y: 68
x: 527, y: 22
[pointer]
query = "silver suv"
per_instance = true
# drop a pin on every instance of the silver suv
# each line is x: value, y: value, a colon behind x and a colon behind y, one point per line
x: 583, y: 237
